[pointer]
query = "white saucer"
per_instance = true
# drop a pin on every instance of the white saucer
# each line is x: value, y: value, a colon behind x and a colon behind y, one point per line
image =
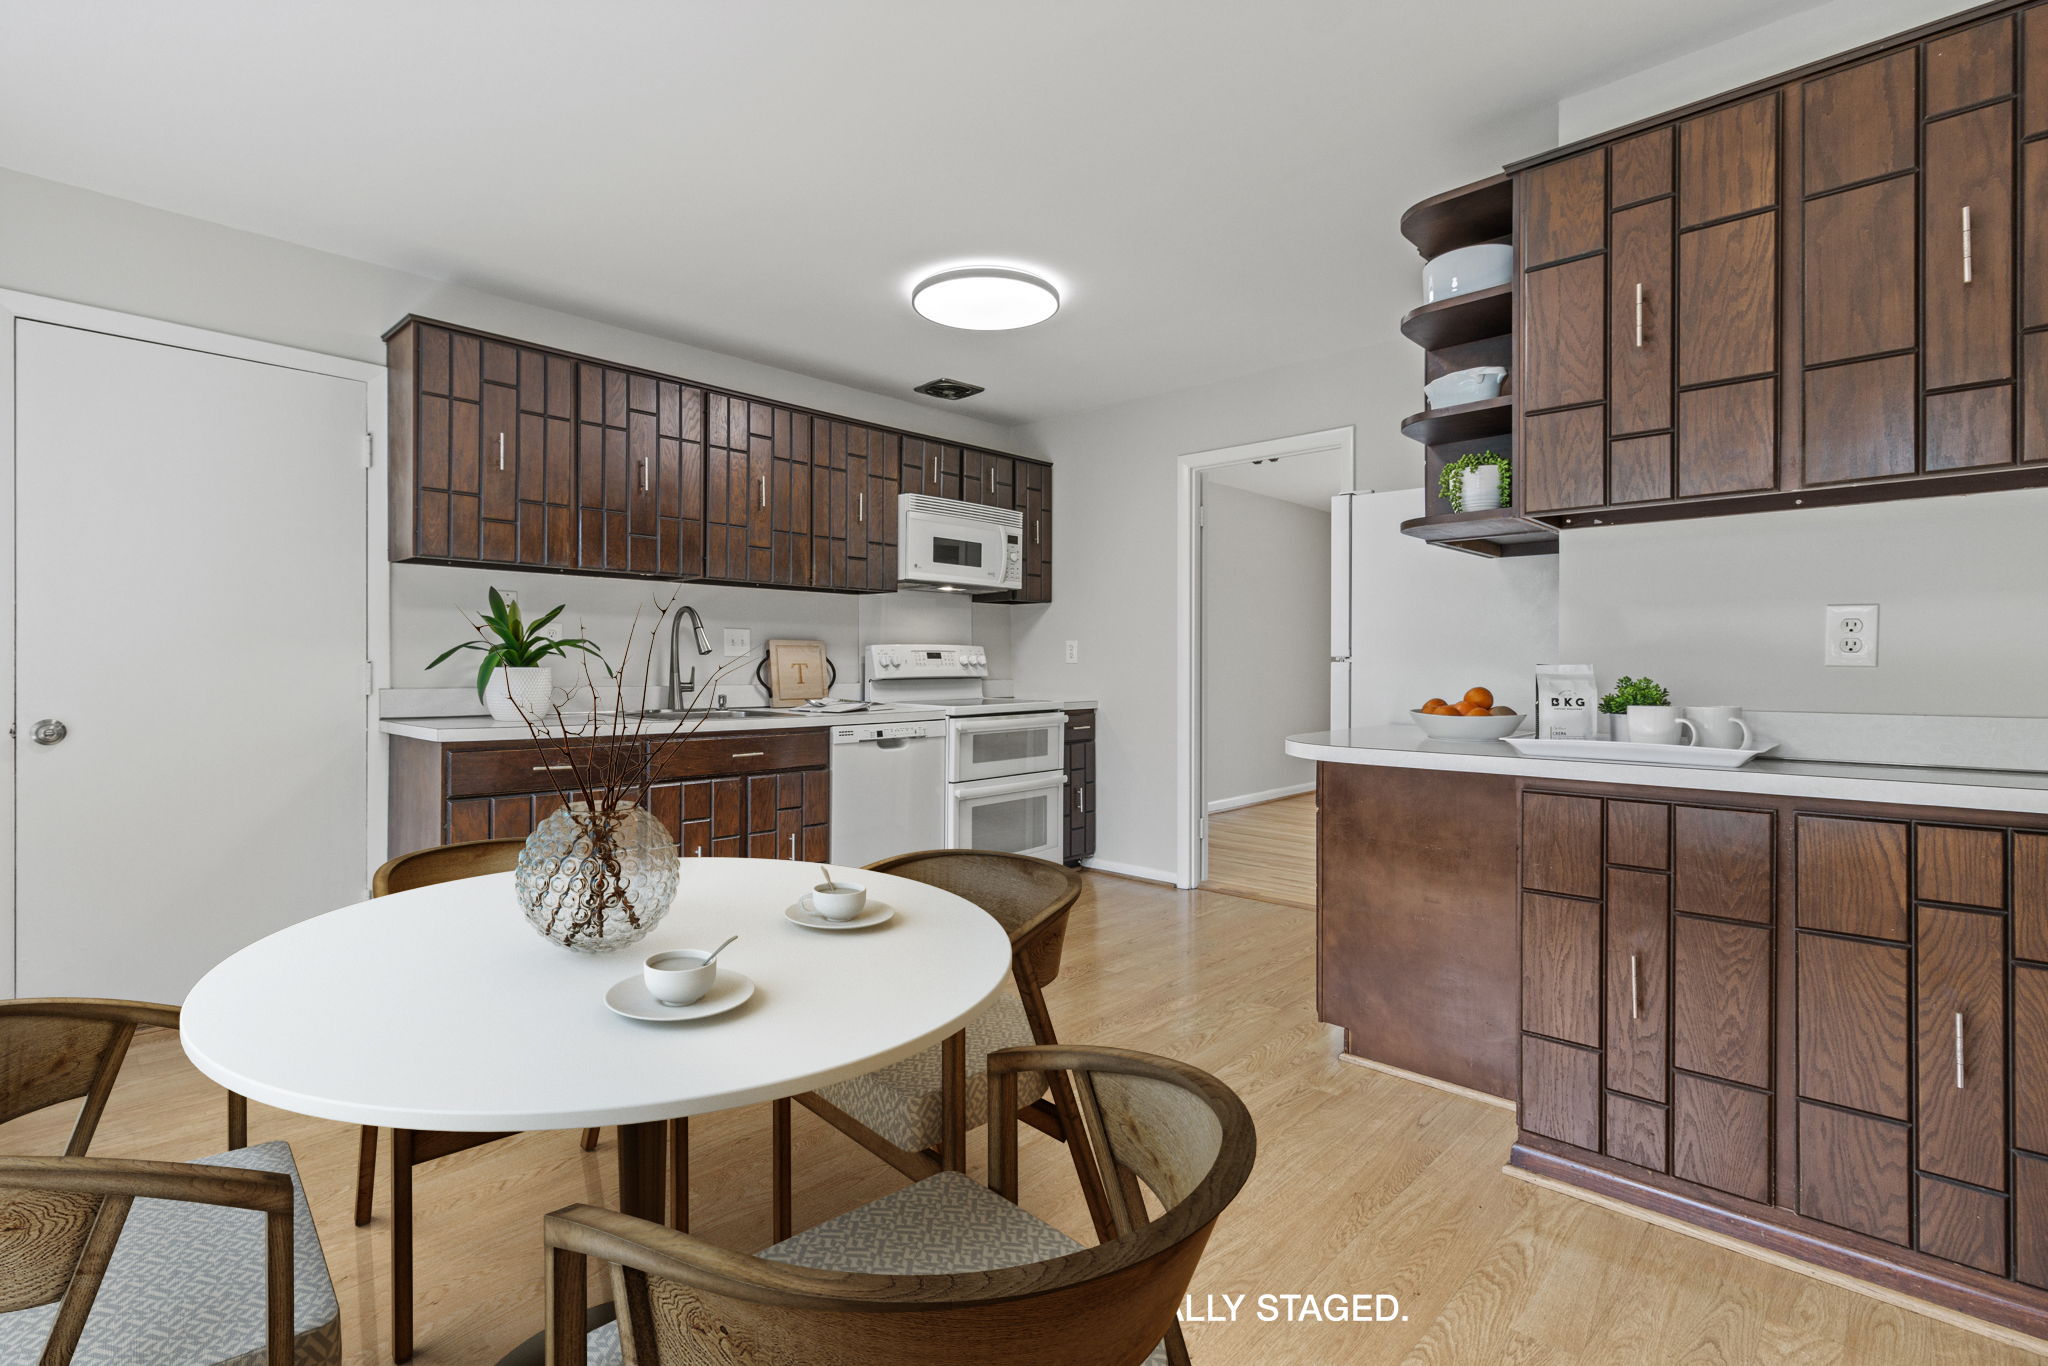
x: 629, y: 997
x: 799, y: 912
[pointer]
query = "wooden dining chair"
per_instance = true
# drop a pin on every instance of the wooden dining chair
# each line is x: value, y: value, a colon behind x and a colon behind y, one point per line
x: 116, y: 1262
x: 411, y: 1148
x: 945, y: 1271
x: 915, y: 1114
x: 63, y: 1048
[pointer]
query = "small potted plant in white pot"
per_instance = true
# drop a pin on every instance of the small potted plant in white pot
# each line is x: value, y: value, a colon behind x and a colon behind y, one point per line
x: 1631, y: 695
x: 1475, y: 481
x: 513, y: 681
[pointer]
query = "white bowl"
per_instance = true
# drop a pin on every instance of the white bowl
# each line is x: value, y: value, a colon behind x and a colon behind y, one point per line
x: 1467, y: 270
x: 1466, y: 727
x: 1464, y: 386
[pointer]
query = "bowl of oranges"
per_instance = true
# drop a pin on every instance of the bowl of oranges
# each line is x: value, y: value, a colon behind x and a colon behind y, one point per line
x: 1471, y: 717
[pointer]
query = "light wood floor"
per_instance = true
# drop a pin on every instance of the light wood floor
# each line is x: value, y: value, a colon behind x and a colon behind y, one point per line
x: 1365, y: 1183
x: 1266, y: 852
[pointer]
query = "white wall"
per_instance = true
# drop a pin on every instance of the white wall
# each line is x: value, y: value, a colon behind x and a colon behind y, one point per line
x: 1729, y: 609
x: 1266, y: 616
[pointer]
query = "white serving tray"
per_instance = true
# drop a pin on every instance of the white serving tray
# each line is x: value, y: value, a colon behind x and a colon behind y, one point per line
x: 1629, y: 752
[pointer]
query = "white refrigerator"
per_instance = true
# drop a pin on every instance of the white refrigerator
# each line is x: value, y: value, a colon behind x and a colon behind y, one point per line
x: 1410, y: 621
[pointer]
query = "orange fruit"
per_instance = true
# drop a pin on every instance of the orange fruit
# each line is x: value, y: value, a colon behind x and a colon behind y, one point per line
x: 1434, y: 703
x: 1471, y: 709
x: 1501, y: 711
x: 1479, y: 697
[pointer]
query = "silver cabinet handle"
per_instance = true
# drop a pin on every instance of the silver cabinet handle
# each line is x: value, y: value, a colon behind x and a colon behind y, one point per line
x: 1034, y: 531
x: 1635, y: 999
x: 1639, y: 315
x: 501, y: 437
x: 1959, y: 1044
x: 792, y: 844
x: 643, y: 474
x: 764, y: 490
x: 697, y: 852
x: 1967, y: 272
x: 551, y: 768
x: 991, y: 478
x: 1075, y: 728
x: 748, y: 754
x: 860, y: 505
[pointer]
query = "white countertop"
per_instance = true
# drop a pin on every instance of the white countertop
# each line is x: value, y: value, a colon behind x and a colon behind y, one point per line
x: 1407, y: 747
x: 457, y: 730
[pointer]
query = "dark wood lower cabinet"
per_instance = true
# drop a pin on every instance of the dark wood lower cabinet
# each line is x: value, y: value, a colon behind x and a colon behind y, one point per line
x: 1856, y: 1171
x: 1080, y: 840
x: 1561, y: 1091
x: 1721, y: 1136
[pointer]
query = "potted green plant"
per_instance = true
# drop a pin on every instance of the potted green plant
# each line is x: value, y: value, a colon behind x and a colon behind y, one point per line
x: 513, y: 679
x: 1632, y: 693
x: 1475, y: 481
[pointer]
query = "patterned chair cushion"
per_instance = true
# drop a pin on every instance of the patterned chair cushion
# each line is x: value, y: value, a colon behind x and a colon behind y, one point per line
x: 186, y: 1286
x: 901, y: 1101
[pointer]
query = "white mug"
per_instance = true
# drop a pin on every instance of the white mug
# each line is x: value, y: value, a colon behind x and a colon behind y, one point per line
x: 1657, y: 726
x: 1720, y: 727
x: 679, y: 977
x: 838, y: 900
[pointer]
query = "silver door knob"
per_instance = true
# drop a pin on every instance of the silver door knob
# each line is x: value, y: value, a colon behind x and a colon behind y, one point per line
x: 48, y: 732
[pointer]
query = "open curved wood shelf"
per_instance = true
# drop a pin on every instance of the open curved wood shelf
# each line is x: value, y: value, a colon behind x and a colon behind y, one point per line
x: 1495, y: 532
x: 1483, y: 211
x: 1462, y: 318
x: 1462, y: 422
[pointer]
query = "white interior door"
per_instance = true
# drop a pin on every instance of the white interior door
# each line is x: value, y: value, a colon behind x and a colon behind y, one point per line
x: 190, y: 604
x: 1340, y: 611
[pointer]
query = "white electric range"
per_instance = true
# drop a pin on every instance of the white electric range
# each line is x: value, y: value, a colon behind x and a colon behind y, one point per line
x: 1005, y: 769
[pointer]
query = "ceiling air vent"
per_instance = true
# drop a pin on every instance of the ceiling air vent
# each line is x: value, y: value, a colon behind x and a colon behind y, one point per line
x: 948, y: 388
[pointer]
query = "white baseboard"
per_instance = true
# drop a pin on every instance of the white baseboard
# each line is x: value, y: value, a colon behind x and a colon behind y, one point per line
x: 1254, y: 798
x: 1138, y: 871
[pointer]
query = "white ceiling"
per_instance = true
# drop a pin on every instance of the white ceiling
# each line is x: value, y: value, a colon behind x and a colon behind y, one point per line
x: 1215, y: 184
x: 1310, y: 480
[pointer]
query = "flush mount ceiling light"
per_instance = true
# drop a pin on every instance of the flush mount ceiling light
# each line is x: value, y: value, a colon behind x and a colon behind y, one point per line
x: 985, y: 298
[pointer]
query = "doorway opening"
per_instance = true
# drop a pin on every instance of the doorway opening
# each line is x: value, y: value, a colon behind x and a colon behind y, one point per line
x: 1257, y: 616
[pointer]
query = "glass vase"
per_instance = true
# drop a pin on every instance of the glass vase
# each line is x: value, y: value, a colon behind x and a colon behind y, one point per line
x: 595, y: 883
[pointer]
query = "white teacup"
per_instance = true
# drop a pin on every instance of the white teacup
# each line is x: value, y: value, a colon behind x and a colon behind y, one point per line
x: 679, y: 977
x: 1656, y: 725
x: 838, y: 900
x: 1719, y: 727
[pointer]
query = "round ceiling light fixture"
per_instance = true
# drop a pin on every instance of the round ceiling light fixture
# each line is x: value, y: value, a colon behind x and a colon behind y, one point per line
x: 985, y: 298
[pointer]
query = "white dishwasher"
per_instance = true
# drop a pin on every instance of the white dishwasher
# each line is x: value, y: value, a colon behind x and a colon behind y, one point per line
x: 889, y: 790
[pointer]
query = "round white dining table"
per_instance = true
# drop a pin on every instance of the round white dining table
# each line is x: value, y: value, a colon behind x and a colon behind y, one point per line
x: 442, y: 1009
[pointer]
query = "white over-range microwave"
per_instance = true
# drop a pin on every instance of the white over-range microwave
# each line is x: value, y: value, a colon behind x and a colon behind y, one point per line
x: 945, y: 544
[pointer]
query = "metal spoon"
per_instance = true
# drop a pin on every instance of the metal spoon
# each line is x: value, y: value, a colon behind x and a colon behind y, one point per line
x: 715, y: 952
x: 829, y: 881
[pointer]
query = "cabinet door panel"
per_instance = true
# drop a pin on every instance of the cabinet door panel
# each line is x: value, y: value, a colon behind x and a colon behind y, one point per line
x: 1639, y: 320
x: 1641, y: 167
x: 1635, y: 1132
x: 1859, y: 421
x: 2030, y: 896
x: 1560, y: 1092
x: 1960, y: 864
x: 1852, y: 876
x: 1728, y: 300
x: 2034, y: 224
x: 1860, y: 124
x: 1962, y: 1224
x: 1561, y: 968
x: 1967, y: 428
x: 1561, y: 844
x: 1723, y: 861
x: 1860, y: 257
x: 1721, y: 1000
x: 1969, y: 67
x: 500, y: 475
x: 1562, y: 310
x: 1853, y: 1010
x: 2034, y: 395
x: 1728, y: 161
x: 1565, y: 213
x: 1562, y: 458
x: 1961, y: 1019
x: 1967, y: 289
x: 1638, y: 926
x: 1721, y: 1136
x: 1854, y: 1172
x: 1728, y: 439
x: 1639, y: 469
x: 2030, y: 1219
x: 1639, y: 834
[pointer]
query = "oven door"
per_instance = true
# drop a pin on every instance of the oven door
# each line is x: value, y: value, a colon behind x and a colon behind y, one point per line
x: 1010, y: 816
x: 1006, y: 746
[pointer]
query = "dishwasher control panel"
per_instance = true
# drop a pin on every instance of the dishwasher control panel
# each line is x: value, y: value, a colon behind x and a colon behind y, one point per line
x: 886, y: 730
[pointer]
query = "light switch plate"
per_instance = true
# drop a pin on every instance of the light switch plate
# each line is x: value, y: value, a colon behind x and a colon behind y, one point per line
x: 738, y: 640
x: 1073, y: 652
x: 1851, y: 638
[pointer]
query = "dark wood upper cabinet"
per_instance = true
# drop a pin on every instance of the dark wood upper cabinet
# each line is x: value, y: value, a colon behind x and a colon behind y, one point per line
x: 1562, y: 456
x: 1860, y: 124
x: 1640, y: 168
x: 507, y: 453
x: 1860, y: 421
x: 1640, y: 315
x: 1728, y: 438
x: 1728, y: 162
x: 1728, y: 300
x: 1861, y: 250
x: 1566, y: 212
x: 2034, y: 71
x: 1563, y: 313
x: 1967, y: 264
x: 1969, y: 66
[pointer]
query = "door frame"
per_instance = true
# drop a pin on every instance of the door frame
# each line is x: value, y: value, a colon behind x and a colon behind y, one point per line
x: 16, y: 307
x: 1191, y: 856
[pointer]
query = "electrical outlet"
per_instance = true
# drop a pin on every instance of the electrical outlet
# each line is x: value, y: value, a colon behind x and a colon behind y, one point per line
x: 738, y: 640
x: 1073, y: 652
x: 1851, y: 640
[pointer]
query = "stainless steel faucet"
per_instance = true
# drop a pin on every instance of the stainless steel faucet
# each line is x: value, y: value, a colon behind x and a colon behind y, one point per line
x: 679, y: 689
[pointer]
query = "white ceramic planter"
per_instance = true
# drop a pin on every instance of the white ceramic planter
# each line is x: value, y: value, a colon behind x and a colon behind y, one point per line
x: 519, y: 694
x: 1479, y: 488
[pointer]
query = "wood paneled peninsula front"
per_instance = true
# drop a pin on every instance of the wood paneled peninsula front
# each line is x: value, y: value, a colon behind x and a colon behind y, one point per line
x: 1800, y: 1004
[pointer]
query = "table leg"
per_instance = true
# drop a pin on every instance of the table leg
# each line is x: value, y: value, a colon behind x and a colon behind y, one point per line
x: 643, y: 1158
x: 679, y: 1174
